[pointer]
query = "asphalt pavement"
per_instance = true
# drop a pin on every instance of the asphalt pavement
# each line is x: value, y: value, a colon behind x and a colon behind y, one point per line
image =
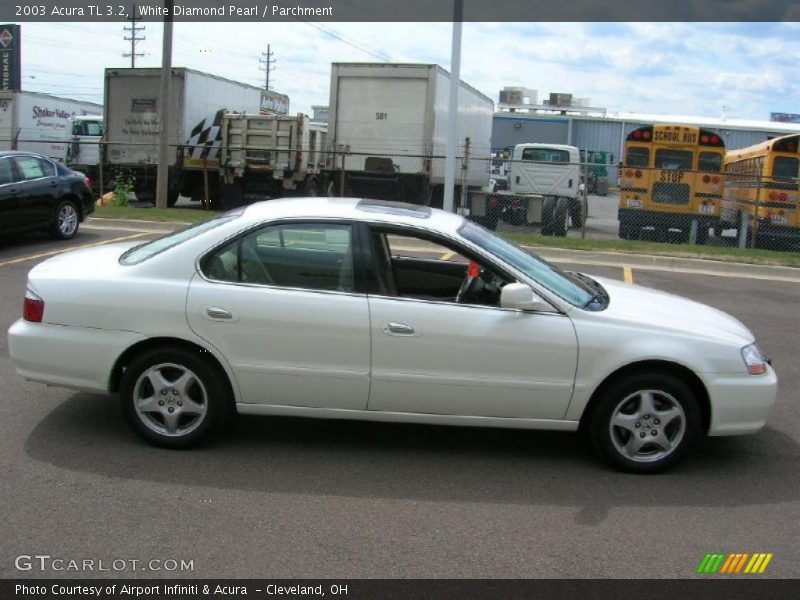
x: 287, y: 498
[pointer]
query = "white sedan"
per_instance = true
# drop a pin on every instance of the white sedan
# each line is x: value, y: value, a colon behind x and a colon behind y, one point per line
x: 359, y: 309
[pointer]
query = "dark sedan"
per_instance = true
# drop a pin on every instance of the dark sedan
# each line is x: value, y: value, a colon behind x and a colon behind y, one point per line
x: 38, y: 193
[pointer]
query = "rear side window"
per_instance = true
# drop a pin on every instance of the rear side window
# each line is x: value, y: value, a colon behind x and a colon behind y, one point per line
x: 6, y: 172
x: 315, y: 256
x: 31, y: 167
x: 785, y: 167
x: 637, y: 157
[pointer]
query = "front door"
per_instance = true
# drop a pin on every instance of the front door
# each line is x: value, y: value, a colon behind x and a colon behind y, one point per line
x: 280, y: 304
x: 437, y: 353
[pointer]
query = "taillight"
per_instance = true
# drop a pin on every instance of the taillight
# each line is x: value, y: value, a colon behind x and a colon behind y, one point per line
x: 706, y: 179
x: 628, y: 173
x: 646, y: 135
x: 772, y: 196
x: 716, y: 179
x: 33, y: 307
x: 783, y: 197
x: 88, y: 182
x: 638, y: 174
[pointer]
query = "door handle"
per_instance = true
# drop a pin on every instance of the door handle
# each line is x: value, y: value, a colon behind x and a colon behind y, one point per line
x: 399, y: 329
x: 215, y: 312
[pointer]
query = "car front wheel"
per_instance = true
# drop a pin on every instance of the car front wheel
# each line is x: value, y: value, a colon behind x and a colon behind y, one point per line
x: 174, y: 398
x: 66, y: 221
x: 646, y: 423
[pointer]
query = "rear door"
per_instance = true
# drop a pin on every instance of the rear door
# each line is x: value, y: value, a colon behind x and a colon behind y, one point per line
x: 37, y: 187
x: 545, y: 171
x: 9, y: 212
x: 280, y: 303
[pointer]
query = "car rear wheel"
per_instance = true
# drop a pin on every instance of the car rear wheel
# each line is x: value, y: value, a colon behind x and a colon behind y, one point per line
x: 173, y: 397
x: 66, y: 220
x: 646, y: 423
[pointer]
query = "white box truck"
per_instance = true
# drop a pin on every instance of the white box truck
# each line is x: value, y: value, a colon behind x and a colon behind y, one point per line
x: 197, y: 104
x: 388, y: 131
x: 37, y: 122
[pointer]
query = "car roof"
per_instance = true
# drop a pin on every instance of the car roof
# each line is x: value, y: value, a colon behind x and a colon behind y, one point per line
x: 359, y: 209
x: 23, y: 153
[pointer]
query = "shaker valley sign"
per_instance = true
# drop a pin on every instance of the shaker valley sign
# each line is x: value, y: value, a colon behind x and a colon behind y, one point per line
x: 10, y: 58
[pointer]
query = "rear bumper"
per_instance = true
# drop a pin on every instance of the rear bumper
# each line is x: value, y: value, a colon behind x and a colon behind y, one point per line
x: 637, y: 218
x: 740, y: 403
x: 73, y: 357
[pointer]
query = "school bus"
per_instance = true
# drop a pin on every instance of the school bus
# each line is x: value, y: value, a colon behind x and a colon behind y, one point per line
x: 761, y: 183
x: 671, y: 175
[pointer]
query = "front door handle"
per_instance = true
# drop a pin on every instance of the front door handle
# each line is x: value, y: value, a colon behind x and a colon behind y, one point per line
x: 215, y: 312
x: 399, y: 329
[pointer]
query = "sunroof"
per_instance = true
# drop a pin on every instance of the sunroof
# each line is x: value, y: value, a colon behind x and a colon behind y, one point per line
x: 391, y: 207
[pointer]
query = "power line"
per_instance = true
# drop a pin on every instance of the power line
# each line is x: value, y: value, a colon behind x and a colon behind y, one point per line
x: 268, y: 65
x: 133, y: 39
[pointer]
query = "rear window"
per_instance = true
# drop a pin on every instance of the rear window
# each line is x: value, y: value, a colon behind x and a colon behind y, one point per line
x: 147, y: 250
x: 637, y: 157
x: 785, y: 167
x: 673, y: 160
x: 545, y: 155
x: 710, y: 162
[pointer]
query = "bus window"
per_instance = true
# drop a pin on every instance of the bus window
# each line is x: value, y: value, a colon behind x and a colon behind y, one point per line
x: 673, y: 160
x: 710, y: 161
x: 637, y: 157
x: 785, y: 167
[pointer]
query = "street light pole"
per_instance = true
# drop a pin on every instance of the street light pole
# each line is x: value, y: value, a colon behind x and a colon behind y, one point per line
x: 162, y: 176
x: 452, y: 116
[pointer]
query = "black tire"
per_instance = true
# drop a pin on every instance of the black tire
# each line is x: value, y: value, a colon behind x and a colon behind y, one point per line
x: 576, y: 215
x: 625, y: 231
x: 310, y: 189
x: 172, y: 197
x: 66, y: 220
x: 210, y: 386
x: 702, y: 236
x: 559, y: 228
x: 620, y: 398
x: 548, y: 214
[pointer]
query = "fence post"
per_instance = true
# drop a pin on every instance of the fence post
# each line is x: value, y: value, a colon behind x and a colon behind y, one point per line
x: 693, y: 232
x: 744, y: 218
x: 342, y: 176
x: 755, y: 214
x: 206, y: 200
x: 464, y: 175
x: 585, y: 194
x: 101, y: 154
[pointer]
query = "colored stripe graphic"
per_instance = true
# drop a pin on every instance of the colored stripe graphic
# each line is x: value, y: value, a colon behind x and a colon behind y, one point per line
x: 734, y: 563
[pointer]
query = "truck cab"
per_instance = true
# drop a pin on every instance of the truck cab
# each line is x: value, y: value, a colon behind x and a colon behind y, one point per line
x: 546, y: 169
x: 83, y: 151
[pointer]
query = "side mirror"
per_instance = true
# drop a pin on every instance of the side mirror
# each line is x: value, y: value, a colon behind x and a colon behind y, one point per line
x: 521, y: 297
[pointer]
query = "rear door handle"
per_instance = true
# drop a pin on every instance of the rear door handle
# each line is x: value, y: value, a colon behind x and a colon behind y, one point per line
x: 398, y: 329
x: 215, y: 312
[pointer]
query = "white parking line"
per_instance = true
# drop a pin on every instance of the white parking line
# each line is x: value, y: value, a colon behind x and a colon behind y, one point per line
x: 23, y: 259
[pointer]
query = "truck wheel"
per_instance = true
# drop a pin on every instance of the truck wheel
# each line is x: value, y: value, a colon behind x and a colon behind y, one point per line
x: 702, y: 235
x: 560, y: 217
x: 576, y: 213
x: 490, y: 220
x: 172, y: 197
x: 310, y: 189
x: 548, y: 213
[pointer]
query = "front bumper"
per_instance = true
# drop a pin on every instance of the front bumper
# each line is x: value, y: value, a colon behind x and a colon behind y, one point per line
x: 740, y: 403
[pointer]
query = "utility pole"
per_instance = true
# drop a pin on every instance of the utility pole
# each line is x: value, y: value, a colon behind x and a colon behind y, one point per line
x: 269, y: 65
x: 133, y: 39
x: 452, y: 117
x: 162, y: 174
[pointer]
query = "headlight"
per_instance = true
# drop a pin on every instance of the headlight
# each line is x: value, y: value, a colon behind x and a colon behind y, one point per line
x: 753, y: 359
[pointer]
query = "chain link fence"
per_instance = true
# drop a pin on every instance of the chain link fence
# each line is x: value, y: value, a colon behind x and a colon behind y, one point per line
x: 549, y: 194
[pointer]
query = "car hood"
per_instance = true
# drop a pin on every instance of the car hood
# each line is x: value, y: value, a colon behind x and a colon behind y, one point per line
x: 668, y: 312
x: 87, y: 261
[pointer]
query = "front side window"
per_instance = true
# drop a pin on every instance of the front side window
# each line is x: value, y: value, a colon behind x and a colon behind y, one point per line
x: 673, y: 160
x: 316, y: 256
x: 637, y: 157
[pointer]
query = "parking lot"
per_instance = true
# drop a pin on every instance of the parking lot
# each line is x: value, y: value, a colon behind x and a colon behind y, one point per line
x: 286, y: 498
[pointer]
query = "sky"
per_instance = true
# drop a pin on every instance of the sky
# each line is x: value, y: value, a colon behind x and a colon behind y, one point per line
x: 736, y: 70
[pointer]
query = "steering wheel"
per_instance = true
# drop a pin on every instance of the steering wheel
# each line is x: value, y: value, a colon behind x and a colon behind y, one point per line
x: 469, y: 283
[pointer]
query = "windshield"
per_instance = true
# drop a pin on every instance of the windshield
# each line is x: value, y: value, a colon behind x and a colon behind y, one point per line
x: 571, y: 289
x: 144, y: 251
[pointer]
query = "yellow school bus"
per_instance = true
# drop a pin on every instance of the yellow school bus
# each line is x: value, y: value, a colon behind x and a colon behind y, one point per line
x: 761, y: 184
x: 671, y: 175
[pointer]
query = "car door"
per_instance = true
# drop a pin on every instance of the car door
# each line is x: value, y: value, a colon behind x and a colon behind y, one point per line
x: 281, y: 304
x: 9, y: 213
x: 442, y: 357
x: 36, y: 190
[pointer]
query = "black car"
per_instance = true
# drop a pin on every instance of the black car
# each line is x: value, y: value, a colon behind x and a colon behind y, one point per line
x: 38, y: 193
